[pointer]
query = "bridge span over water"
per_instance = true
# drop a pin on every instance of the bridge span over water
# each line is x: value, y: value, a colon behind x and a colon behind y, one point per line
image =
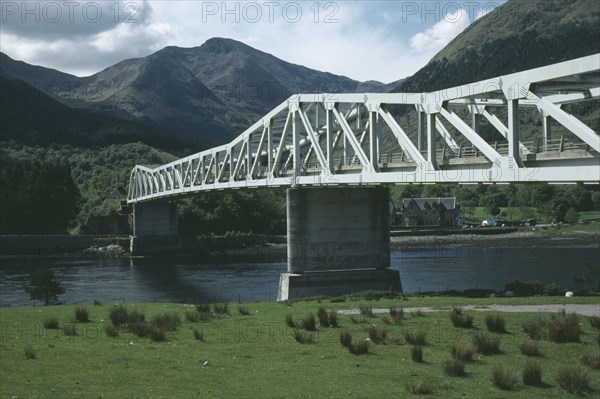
x: 329, y: 149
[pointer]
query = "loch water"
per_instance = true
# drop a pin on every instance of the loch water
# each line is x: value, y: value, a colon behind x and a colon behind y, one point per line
x: 190, y: 280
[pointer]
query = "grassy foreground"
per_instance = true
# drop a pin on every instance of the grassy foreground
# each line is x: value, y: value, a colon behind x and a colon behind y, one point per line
x: 256, y: 355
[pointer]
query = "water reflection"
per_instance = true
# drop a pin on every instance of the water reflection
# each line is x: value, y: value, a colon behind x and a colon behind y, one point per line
x: 189, y: 280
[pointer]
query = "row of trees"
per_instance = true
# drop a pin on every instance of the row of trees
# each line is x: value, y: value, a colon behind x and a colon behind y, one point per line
x: 67, y: 185
x: 37, y: 197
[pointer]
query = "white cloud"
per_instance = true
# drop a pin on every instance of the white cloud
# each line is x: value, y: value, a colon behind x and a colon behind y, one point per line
x: 364, y: 40
x: 440, y: 34
x: 82, y: 42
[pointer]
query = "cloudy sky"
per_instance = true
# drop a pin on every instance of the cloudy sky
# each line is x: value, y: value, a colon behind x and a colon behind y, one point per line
x: 364, y: 40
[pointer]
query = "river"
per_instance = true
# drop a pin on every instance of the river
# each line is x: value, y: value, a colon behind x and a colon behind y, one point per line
x: 188, y: 280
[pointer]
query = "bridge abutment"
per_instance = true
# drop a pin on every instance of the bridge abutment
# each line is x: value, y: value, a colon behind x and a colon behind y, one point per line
x: 338, y: 242
x: 155, y: 228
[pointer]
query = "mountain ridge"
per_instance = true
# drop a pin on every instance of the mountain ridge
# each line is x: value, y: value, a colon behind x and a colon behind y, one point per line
x: 213, y: 91
x: 516, y: 36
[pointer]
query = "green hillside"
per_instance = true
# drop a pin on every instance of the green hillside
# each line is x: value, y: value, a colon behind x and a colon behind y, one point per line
x: 519, y: 35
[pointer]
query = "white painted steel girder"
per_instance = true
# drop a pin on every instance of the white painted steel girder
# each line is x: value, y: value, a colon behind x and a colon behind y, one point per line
x: 338, y: 139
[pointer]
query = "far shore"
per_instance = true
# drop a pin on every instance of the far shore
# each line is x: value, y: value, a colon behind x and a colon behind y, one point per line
x: 511, y: 240
x: 274, y: 248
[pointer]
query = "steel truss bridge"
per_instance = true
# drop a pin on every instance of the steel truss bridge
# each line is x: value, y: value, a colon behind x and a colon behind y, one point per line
x: 466, y: 134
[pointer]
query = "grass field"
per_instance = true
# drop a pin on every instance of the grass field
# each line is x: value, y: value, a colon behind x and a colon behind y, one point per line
x: 256, y: 356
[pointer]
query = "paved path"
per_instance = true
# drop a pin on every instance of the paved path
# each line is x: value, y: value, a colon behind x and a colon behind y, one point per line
x: 584, y: 310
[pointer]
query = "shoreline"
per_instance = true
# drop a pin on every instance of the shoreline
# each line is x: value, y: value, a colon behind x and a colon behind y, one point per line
x: 224, y: 249
x: 516, y: 240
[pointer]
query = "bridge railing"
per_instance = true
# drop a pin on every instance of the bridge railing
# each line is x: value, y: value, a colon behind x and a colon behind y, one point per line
x: 470, y: 133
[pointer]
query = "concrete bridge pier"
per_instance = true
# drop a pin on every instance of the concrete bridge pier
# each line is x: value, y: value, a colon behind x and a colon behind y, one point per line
x: 155, y: 228
x: 338, y: 242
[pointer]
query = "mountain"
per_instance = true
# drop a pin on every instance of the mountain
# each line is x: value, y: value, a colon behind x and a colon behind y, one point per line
x: 213, y: 92
x: 30, y: 117
x: 519, y: 35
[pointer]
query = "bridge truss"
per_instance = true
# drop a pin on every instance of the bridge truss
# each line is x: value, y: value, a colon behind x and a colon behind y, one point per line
x: 523, y: 127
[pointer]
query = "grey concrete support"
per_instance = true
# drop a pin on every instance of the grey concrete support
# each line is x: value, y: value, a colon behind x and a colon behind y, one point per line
x: 338, y: 242
x: 155, y: 228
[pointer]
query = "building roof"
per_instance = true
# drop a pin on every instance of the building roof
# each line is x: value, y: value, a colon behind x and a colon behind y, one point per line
x: 449, y: 203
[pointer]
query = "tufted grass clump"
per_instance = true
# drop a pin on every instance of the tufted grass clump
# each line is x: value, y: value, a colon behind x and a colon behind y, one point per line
x: 592, y: 360
x: 420, y: 387
x: 377, y: 335
x: 70, y: 330
x: 203, y: 308
x: 454, y: 367
x: 289, y: 321
x: 359, y: 319
x: 573, y: 379
x: 309, y: 323
x: 198, y: 335
x: 136, y: 316
x: 486, y: 344
x: 504, y: 378
x: 30, y: 353
x: 111, y: 331
x: 244, y: 311
x: 346, y: 338
x: 158, y: 335
x: 419, y: 338
x: 459, y: 319
x: 530, y: 349
x: 333, y: 319
x: 536, y: 328
x: 464, y: 353
x: 495, y: 323
x: 323, y: 317
x: 167, y: 321
x: 141, y: 329
x: 595, y: 322
x: 119, y: 315
x: 221, y: 309
x: 396, y: 315
x: 366, y: 310
x: 564, y: 328
x: 302, y: 337
x: 532, y: 373
x: 416, y: 353
x: 193, y: 317
x: 359, y: 348
x: 82, y: 315
x: 51, y: 323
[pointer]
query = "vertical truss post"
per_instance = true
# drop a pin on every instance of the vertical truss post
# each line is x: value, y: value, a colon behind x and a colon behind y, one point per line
x: 431, y: 141
x: 295, y: 146
x: 373, y: 140
x: 546, y: 130
x: 329, y: 140
x: 476, y: 122
x: 231, y: 165
x: 513, y: 131
x: 379, y: 126
x: 269, y: 128
x: 345, y: 147
x: 421, y: 129
x: 249, y: 157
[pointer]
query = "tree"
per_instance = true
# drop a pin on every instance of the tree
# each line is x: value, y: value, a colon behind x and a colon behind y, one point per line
x: 43, y: 285
x: 571, y: 216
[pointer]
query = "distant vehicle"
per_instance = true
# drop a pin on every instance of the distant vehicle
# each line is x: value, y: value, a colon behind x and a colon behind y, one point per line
x: 488, y: 223
x: 530, y: 222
